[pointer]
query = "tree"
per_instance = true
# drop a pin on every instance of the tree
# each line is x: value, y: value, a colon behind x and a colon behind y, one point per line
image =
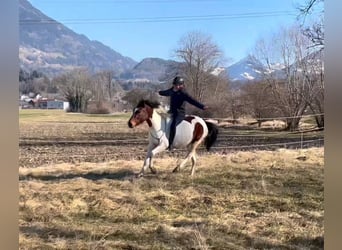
x: 235, y: 104
x: 259, y: 101
x: 199, y: 56
x: 26, y: 87
x: 76, y: 88
x: 293, y: 94
x: 218, y: 98
x: 315, y: 81
x: 32, y: 82
x: 132, y: 97
x: 315, y: 31
x: 104, y: 85
x: 103, y: 91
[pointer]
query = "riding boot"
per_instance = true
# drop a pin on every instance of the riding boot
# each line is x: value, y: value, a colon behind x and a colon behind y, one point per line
x: 171, y: 137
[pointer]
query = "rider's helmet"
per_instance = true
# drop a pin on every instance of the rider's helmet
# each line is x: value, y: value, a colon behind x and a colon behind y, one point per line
x: 178, y: 80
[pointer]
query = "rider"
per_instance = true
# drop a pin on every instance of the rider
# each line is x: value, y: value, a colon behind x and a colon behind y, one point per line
x: 178, y: 97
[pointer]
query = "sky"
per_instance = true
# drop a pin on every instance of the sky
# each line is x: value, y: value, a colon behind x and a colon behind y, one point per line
x: 153, y: 28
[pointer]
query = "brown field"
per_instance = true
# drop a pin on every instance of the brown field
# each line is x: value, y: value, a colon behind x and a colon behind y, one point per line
x: 77, y: 191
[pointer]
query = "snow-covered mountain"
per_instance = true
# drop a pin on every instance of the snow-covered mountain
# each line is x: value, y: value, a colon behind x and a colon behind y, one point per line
x: 250, y: 69
x: 247, y: 69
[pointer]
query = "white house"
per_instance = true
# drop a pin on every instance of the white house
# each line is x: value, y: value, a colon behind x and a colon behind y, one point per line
x: 53, y: 104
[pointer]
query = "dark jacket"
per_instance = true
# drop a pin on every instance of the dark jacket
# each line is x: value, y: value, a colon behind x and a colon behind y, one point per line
x: 178, y: 99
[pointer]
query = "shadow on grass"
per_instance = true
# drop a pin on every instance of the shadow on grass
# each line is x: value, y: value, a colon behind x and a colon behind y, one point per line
x: 312, y: 243
x: 119, y: 175
x: 47, y: 232
x: 233, y: 238
x: 297, y: 243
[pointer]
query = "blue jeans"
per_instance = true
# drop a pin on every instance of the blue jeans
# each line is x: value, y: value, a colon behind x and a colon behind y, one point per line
x: 176, y: 119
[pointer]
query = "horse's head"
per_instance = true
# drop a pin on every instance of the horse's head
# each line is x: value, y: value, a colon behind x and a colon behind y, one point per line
x: 142, y: 112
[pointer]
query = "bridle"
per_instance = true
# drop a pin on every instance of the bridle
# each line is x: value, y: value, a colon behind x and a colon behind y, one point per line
x: 149, y: 113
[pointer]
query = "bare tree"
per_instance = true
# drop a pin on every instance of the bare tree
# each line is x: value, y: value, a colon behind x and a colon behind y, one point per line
x: 309, y: 5
x: 26, y: 87
x: 34, y: 82
x: 135, y: 95
x: 314, y: 31
x: 104, y: 81
x: 293, y: 94
x: 236, y: 105
x: 200, y: 56
x: 76, y: 88
x: 218, y: 98
x: 315, y: 80
x: 259, y: 101
x: 103, y: 92
x: 316, y: 34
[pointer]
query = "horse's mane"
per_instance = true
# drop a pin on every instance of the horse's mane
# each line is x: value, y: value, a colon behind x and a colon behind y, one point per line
x: 152, y: 104
x: 155, y: 105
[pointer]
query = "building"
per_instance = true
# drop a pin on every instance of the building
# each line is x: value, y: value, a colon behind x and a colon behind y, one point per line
x: 52, y: 104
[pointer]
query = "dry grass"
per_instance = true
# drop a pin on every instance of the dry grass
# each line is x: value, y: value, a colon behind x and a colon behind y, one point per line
x: 75, y: 195
x: 41, y: 115
x: 57, y: 124
x: 245, y: 200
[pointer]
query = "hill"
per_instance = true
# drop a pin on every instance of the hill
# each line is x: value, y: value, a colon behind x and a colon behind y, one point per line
x: 151, y: 69
x: 50, y: 47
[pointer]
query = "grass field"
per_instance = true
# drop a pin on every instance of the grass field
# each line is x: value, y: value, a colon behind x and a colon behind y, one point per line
x: 77, y: 191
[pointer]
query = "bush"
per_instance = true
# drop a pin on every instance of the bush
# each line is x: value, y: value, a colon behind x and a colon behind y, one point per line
x: 99, y: 108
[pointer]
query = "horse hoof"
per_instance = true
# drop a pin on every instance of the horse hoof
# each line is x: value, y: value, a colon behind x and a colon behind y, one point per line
x: 153, y: 170
x: 139, y: 175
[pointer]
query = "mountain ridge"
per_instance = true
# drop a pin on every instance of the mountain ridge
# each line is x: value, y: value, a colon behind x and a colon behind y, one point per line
x: 246, y: 69
x: 50, y: 47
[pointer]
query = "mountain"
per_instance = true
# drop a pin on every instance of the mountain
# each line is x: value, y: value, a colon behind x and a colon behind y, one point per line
x: 151, y: 69
x: 49, y: 47
x: 312, y: 63
x: 251, y: 69
x: 247, y: 69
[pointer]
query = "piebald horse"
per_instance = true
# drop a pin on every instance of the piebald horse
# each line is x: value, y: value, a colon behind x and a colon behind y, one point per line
x: 192, y: 131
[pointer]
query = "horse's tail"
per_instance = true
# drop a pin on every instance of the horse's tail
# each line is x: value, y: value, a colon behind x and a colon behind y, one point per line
x: 212, y: 135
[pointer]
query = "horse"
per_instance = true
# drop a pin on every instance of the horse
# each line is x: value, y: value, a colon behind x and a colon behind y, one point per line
x: 191, y: 131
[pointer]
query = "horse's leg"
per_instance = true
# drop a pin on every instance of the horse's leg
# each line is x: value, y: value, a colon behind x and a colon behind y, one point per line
x: 153, y: 169
x: 150, y: 154
x: 147, y: 161
x: 160, y: 148
x: 187, y: 158
x: 182, y: 164
x: 193, y: 161
x: 191, y: 155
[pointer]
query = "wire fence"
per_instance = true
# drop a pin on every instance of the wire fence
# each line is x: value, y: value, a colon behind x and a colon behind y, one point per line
x: 280, y: 145
x: 275, y: 118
